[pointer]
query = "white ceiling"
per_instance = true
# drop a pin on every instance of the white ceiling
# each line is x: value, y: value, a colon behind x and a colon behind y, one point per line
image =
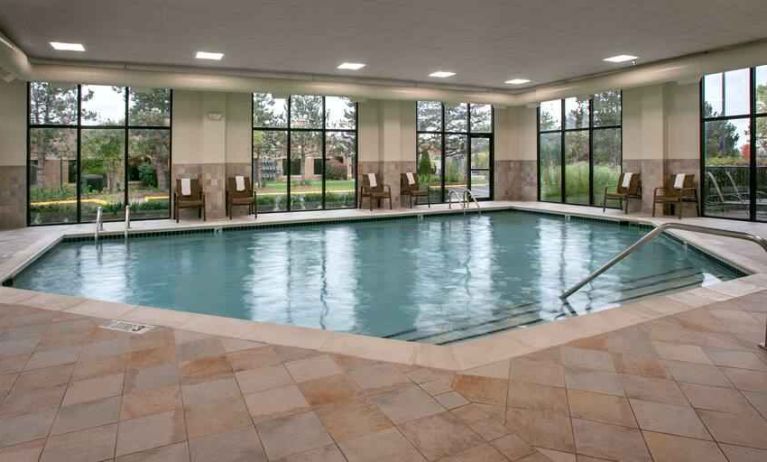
x: 484, y: 41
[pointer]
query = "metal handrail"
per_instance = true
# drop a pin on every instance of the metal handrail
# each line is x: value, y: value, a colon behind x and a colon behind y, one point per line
x: 127, y: 220
x: 467, y: 194
x: 655, y: 233
x: 99, y: 224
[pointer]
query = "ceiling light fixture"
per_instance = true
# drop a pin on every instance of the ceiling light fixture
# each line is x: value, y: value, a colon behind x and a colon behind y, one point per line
x: 442, y: 74
x: 351, y: 66
x: 620, y: 58
x: 517, y: 81
x: 209, y: 55
x: 64, y: 46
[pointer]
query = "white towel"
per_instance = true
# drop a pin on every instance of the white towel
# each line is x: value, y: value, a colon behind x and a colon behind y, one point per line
x: 186, y: 187
x: 627, y: 179
x: 679, y: 181
x: 372, y: 180
x: 239, y: 182
x: 410, y: 178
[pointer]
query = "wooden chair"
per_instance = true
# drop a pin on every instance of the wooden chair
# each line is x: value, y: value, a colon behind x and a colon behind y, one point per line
x: 245, y: 196
x: 379, y: 191
x: 408, y: 186
x: 194, y: 200
x: 678, y: 190
x: 629, y: 187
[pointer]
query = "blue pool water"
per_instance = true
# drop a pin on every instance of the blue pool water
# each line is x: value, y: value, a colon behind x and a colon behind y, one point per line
x: 438, y: 279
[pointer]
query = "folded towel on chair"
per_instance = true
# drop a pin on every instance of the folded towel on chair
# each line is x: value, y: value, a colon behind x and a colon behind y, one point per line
x: 186, y: 187
x: 372, y: 180
x: 239, y: 183
x: 410, y: 178
x: 679, y: 181
x: 627, y: 179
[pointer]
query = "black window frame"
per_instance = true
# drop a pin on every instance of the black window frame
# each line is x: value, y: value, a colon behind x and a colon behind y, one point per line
x: 469, y: 133
x: 563, y: 130
x: 79, y: 127
x: 753, y: 116
x: 288, y: 129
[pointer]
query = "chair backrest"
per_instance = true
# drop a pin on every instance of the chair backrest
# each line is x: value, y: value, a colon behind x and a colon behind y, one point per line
x: 231, y: 187
x: 366, y: 183
x: 405, y: 185
x: 687, y: 184
x: 195, y: 187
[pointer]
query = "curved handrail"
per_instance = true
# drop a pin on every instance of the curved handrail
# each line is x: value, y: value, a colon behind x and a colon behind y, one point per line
x: 655, y: 233
x: 466, y: 194
x: 99, y: 224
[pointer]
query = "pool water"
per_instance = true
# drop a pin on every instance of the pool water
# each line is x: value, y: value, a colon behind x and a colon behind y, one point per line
x: 437, y: 279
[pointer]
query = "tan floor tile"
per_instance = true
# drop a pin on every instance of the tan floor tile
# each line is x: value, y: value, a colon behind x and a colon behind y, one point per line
x: 293, y: 434
x: 489, y: 429
x: 651, y: 389
x: 743, y: 430
x: 150, y: 431
x: 681, y: 352
x: 55, y: 357
x: 668, y: 418
x: 202, y: 348
x: 93, y: 389
x: 407, y: 403
x: 352, y: 419
x: 22, y: 401
x: 151, y: 357
x: 538, y: 397
x: 88, y: 369
x: 535, y: 457
x: 276, y: 402
x: 496, y: 370
x: 215, y: 417
x: 204, y: 369
x: 738, y: 359
x: 438, y: 386
x: 742, y: 454
x: 474, y: 412
x: 482, y: 453
x: 543, y: 373
x: 440, y: 435
x: 377, y: 377
x: 151, y: 377
x: 46, y: 377
x: 669, y: 448
x: 451, y: 400
x: 481, y: 389
x: 716, y: 399
x: 94, y: 444
x: 600, y: 407
x: 263, y: 378
x: 594, y: 381
x: 747, y: 380
x: 173, y: 453
x: 87, y: 415
x: 513, y: 447
x: 331, y: 389
x: 640, y: 365
x: 13, y: 363
x: 609, y: 441
x: 329, y: 453
x: 758, y: 401
x: 24, y: 452
x: 386, y: 445
x: 557, y: 456
x: 422, y: 375
x: 25, y: 427
x: 212, y: 390
x: 253, y: 358
x: 314, y: 367
x: 579, y: 358
x: 701, y: 374
x: 238, y: 445
x: 540, y: 428
x: 232, y: 345
x: 148, y: 401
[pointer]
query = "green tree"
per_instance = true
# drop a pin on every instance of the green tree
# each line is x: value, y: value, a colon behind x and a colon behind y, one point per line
x: 150, y: 108
x: 721, y: 136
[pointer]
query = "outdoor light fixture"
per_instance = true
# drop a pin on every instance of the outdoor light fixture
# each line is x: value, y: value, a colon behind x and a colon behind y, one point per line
x: 64, y: 46
x: 209, y: 55
x: 351, y: 66
x: 517, y: 81
x: 620, y: 58
x: 442, y: 74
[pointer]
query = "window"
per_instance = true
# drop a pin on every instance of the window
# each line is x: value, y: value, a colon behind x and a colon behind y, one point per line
x: 579, y: 148
x: 454, y: 148
x: 734, y: 144
x: 96, y: 146
x: 304, y: 152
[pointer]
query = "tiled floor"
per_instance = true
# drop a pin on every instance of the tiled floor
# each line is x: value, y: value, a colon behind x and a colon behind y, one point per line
x: 687, y: 387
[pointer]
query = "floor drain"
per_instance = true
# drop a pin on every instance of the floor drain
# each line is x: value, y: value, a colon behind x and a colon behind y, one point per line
x: 127, y: 327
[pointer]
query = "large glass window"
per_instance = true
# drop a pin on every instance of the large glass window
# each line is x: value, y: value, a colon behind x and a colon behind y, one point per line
x: 579, y: 148
x: 734, y: 144
x: 96, y: 146
x: 304, y: 152
x: 454, y: 148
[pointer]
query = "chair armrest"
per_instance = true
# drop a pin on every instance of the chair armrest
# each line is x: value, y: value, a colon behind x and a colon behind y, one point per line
x: 387, y: 187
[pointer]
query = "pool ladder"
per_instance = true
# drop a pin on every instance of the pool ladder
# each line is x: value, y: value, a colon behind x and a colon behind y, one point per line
x: 657, y: 232
x: 100, y: 223
x: 464, y: 195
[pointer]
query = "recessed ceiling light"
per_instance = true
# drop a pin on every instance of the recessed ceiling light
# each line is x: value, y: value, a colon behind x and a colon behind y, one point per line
x: 442, y: 74
x: 620, y: 58
x: 351, y: 66
x: 209, y: 55
x: 517, y: 81
x: 64, y: 46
